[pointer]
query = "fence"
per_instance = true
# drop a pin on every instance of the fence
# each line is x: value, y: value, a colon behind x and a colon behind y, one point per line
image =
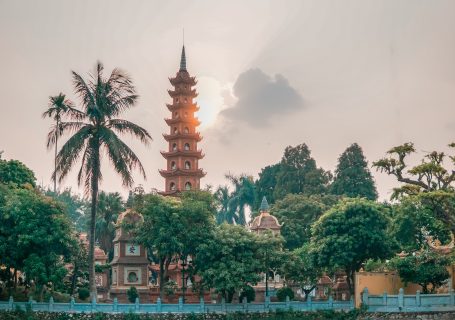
x: 409, y: 303
x: 181, y: 307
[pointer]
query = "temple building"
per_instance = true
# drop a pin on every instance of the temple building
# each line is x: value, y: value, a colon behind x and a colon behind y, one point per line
x: 182, y: 171
x: 265, y: 221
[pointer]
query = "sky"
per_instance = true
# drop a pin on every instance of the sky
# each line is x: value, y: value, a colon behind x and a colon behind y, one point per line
x: 270, y: 74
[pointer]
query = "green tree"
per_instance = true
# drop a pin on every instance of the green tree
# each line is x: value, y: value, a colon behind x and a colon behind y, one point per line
x: 429, y: 175
x: 426, y: 268
x: 352, y: 176
x: 75, y: 206
x: 227, y: 260
x: 222, y: 197
x: 299, y: 269
x: 297, y: 212
x: 96, y: 132
x: 266, y: 183
x: 57, y: 108
x: 414, y: 219
x: 173, y: 228
x: 299, y: 174
x: 15, y: 173
x: 35, y: 233
x: 348, y: 234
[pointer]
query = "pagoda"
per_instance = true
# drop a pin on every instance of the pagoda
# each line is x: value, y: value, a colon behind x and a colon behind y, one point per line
x: 182, y: 172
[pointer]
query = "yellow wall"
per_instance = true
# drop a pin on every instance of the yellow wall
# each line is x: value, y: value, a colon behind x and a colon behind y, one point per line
x: 380, y: 282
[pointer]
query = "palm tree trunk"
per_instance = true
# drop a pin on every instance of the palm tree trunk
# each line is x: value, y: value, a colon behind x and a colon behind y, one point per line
x: 94, y: 205
x: 55, y: 157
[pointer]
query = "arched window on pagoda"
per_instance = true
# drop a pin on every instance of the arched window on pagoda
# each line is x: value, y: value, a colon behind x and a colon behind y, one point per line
x: 176, y: 130
x: 176, y: 114
x: 187, y: 165
x: 186, y: 147
x: 174, y: 146
x: 186, y: 100
x: 188, y: 186
x: 173, y: 165
x: 172, y: 186
x: 186, y: 130
x: 185, y: 114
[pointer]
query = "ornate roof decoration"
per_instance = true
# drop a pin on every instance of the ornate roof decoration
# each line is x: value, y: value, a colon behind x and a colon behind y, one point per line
x: 264, y: 205
x: 265, y: 220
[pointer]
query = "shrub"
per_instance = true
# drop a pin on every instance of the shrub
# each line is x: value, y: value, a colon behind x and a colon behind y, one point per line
x: 284, y: 292
x: 249, y: 293
x: 132, y: 294
x: 83, y: 293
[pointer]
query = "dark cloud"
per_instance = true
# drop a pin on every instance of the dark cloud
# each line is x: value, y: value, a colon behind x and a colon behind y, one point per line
x: 261, y: 97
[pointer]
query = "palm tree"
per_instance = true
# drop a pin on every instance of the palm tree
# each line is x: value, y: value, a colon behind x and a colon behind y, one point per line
x: 243, y: 196
x: 95, y: 134
x: 109, y: 207
x: 58, y: 107
x: 222, y: 198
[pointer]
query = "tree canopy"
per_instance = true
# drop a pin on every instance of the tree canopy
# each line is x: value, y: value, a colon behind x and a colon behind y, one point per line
x: 16, y: 173
x: 350, y: 233
x: 352, y: 175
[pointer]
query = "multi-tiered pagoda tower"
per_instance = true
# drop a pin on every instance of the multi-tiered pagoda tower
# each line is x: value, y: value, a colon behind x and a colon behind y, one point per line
x: 182, y: 172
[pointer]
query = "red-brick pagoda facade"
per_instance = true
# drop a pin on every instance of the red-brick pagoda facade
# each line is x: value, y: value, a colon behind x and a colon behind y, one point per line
x: 182, y: 172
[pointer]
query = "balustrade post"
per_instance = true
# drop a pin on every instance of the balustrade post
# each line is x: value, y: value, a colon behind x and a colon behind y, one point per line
x: 400, y: 299
x: 267, y: 302
x: 309, y: 302
x: 180, y: 304
x: 51, y: 303
x: 30, y: 303
x: 452, y: 297
x: 288, y: 303
x: 158, y: 305
x: 93, y: 306
x: 245, y: 304
x: 365, y: 296
x: 11, y: 303
x: 223, y: 304
x: 352, y: 302
x: 418, y: 303
x: 384, y: 299
x: 136, y: 305
x: 201, y: 304
x: 115, y: 305
x: 72, y: 303
x: 330, y: 302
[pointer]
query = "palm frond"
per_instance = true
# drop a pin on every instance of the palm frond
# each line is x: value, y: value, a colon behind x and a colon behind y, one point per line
x: 124, y: 126
x: 121, y: 156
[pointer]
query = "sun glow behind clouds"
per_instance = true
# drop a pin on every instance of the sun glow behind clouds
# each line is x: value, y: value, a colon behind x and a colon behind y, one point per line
x: 211, y: 99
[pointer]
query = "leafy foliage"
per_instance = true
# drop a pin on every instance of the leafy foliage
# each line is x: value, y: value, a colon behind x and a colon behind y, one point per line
x: 426, y: 268
x: 248, y: 293
x: 297, y: 212
x: 429, y: 175
x: 352, y: 176
x: 350, y: 233
x: 228, y: 260
x: 132, y: 294
x: 83, y: 293
x: 284, y: 292
x: 16, y: 173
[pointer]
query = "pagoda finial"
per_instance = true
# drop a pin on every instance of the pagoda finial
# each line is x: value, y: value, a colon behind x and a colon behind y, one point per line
x: 183, y: 60
x: 264, y: 205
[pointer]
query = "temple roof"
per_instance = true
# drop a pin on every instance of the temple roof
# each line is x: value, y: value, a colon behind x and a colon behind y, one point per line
x: 265, y: 220
x: 129, y: 215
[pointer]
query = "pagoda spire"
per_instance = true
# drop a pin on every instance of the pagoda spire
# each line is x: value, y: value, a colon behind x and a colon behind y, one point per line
x: 183, y: 60
x: 264, y: 205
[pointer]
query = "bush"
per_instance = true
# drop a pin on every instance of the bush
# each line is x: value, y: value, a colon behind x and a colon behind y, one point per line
x: 284, y: 292
x: 249, y: 293
x: 132, y: 294
x: 83, y: 293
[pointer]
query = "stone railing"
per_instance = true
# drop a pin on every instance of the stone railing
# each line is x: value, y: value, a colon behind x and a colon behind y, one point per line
x: 181, y: 307
x: 408, y: 303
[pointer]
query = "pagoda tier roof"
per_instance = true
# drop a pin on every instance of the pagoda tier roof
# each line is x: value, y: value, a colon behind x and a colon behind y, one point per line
x: 193, y: 121
x: 183, y: 77
x: 184, y: 153
x: 183, y: 92
x: 169, y: 137
x: 182, y: 172
x: 188, y: 106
